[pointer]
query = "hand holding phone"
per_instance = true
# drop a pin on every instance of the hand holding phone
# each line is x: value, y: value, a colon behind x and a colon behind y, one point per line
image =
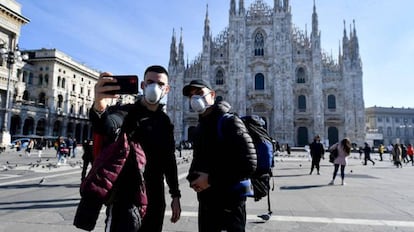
x: 128, y: 84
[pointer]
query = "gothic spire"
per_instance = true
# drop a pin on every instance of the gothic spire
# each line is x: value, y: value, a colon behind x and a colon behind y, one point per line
x: 180, y: 58
x: 345, y: 42
x: 314, y: 20
x: 206, y: 25
x: 285, y: 5
x: 232, y: 7
x: 276, y: 5
x: 241, y: 7
x: 355, y: 42
x: 173, y: 50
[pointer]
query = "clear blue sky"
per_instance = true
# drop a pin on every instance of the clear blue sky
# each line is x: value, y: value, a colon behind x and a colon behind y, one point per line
x: 125, y: 36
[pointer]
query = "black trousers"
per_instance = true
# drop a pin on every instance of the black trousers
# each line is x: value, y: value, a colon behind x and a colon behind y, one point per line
x: 216, y: 216
x: 154, y: 217
x: 122, y: 218
x: 315, y: 163
x: 336, y: 167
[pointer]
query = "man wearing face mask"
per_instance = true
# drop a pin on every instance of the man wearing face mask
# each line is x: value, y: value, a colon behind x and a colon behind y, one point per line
x: 221, y: 165
x: 154, y: 131
x: 316, y: 151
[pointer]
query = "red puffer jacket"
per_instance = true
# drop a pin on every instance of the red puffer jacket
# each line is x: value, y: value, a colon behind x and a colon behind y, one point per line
x: 107, y: 167
x: 96, y: 188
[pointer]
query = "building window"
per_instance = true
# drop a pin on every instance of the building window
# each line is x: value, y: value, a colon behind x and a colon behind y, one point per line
x: 331, y: 102
x: 42, y: 98
x: 302, y: 103
x: 397, y: 132
x: 397, y: 120
x: 300, y: 75
x: 26, y: 95
x: 40, y: 79
x: 60, y: 101
x: 387, y: 119
x: 259, y: 81
x: 30, y: 81
x: 379, y: 119
x: 259, y: 44
x: 219, y: 77
x: 389, y: 131
x: 380, y: 129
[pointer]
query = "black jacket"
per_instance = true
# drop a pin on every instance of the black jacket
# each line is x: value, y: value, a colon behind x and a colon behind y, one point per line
x: 154, y: 131
x: 227, y: 160
x: 316, y: 150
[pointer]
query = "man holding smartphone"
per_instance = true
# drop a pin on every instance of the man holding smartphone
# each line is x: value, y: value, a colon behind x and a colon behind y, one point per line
x: 155, y: 134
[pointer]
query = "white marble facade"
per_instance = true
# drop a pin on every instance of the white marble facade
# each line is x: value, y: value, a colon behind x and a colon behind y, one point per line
x: 262, y: 64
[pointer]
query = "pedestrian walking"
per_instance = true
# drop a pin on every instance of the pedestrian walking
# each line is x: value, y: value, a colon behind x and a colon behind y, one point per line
x: 87, y: 156
x: 29, y: 147
x: 397, y: 155
x: 367, y: 154
x: 381, y: 149
x: 317, y: 151
x: 288, y: 149
x: 74, y: 150
x: 410, y: 153
x: 344, y: 150
x: 277, y: 148
x: 69, y: 143
x: 404, y: 153
x: 62, y: 150
x: 40, y: 145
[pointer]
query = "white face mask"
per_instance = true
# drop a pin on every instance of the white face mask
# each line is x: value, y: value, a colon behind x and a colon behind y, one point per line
x: 153, y: 93
x: 199, y: 104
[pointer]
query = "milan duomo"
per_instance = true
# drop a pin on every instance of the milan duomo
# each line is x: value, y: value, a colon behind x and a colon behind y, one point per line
x: 262, y: 64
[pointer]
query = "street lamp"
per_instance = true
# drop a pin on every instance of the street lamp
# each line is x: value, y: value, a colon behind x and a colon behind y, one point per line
x: 11, y: 55
x: 406, y: 127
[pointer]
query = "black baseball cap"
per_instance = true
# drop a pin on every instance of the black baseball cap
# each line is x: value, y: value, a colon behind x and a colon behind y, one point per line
x: 195, y: 84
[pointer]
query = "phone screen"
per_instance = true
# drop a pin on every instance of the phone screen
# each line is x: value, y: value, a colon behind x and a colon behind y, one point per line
x: 128, y: 84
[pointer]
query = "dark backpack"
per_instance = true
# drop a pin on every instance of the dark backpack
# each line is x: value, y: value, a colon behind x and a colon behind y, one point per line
x: 264, y: 145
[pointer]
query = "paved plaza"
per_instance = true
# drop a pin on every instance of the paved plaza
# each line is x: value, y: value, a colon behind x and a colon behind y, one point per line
x: 38, y: 195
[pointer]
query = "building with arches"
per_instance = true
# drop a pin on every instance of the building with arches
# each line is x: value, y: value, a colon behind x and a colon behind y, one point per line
x: 52, y: 96
x: 262, y: 64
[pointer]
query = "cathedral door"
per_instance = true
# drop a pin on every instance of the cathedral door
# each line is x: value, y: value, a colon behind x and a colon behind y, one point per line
x: 303, y: 138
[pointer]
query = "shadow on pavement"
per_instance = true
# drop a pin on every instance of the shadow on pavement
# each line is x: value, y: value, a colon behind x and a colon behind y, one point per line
x: 299, y: 187
x: 39, y: 204
x: 22, y: 186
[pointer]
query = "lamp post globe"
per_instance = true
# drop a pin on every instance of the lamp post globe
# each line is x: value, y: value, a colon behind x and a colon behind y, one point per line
x: 11, y: 56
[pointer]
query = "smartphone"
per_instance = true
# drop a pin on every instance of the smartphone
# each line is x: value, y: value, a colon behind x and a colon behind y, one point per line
x: 128, y: 84
x: 192, y: 176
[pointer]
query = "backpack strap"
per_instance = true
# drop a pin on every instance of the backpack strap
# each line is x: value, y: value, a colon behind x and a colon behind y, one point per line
x: 220, y: 122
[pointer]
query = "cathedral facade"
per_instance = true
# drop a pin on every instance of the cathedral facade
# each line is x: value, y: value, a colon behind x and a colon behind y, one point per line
x: 263, y: 65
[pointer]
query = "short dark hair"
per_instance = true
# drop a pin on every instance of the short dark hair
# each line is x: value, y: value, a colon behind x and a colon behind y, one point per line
x: 157, y: 69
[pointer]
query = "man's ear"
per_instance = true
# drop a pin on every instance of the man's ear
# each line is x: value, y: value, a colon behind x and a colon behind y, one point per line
x: 142, y: 85
x: 167, y: 89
